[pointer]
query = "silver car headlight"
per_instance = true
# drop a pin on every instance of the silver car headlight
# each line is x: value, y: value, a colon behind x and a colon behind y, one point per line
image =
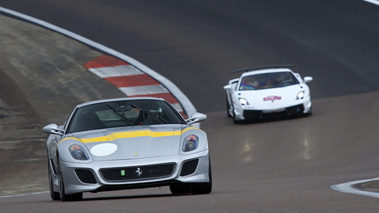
x: 190, y: 143
x: 77, y: 152
x: 243, y: 101
x: 300, y: 95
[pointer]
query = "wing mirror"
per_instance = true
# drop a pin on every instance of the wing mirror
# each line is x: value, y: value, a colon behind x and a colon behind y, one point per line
x: 196, y: 117
x: 307, y: 79
x: 227, y: 87
x: 53, y: 129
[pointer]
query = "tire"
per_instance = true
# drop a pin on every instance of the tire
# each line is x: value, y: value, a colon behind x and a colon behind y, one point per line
x: 54, y: 195
x: 62, y: 194
x: 193, y: 188
x: 180, y: 188
x: 203, y: 188
x: 235, y: 121
x: 227, y: 108
x: 309, y: 113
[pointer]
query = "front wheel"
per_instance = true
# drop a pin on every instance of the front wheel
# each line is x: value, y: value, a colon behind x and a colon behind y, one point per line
x: 180, y: 188
x: 54, y: 195
x: 228, y: 108
x: 62, y: 193
x: 203, y: 188
x: 235, y: 120
x: 193, y: 188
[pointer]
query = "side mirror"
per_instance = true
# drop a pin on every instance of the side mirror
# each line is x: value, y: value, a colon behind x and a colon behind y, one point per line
x: 196, y: 117
x: 307, y: 79
x: 227, y: 87
x: 53, y: 129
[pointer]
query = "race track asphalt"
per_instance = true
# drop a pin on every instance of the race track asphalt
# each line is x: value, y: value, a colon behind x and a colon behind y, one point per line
x: 286, y: 165
x: 42, y: 78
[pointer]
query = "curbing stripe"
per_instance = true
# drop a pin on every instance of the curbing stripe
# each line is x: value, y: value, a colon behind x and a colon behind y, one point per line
x: 188, y: 107
x: 130, y: 80
x: 115, y: 71
x: 106, y: 61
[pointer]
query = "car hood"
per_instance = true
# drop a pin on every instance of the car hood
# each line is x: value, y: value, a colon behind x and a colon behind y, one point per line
x: 133, y: 142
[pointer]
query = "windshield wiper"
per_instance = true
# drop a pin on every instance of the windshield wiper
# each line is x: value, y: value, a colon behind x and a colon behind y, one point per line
x: 121, y: 115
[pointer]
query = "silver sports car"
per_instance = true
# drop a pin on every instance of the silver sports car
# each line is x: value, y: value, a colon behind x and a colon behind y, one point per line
x: 127, y: 143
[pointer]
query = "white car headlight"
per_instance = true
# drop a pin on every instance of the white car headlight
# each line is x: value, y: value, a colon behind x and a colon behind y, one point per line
x: 243, y: 101
x: 190, y: 143
x: 300, y: 95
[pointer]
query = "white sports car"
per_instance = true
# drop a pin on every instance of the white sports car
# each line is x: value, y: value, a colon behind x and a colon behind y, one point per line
x: 127, y: 143
x: 267, y: 91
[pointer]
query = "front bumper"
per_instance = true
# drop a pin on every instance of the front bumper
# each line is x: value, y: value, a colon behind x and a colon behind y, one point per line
x: 294, y: 110
x: 139, y: 173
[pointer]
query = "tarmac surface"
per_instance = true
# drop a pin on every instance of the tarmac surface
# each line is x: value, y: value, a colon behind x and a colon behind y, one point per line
x: 38, y: 88
x: 286, y: 165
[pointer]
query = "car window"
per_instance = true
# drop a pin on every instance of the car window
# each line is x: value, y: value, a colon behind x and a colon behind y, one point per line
x: 267, y: 81
x: 123, y: 113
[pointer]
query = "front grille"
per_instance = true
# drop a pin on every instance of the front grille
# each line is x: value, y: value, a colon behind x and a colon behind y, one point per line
x: 289, y: 111
x: 189, y: 167
x: 86, y: 176
x: 138, y: 172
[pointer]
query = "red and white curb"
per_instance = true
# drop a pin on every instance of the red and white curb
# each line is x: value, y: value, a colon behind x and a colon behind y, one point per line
x: 130, y: 80
x: 166, y: 87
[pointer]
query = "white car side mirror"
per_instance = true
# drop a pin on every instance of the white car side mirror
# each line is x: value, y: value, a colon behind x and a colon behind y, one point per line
x: 196, y: 117
x: 53, y: 129
x: 307, y: 79
x: 227, y: 87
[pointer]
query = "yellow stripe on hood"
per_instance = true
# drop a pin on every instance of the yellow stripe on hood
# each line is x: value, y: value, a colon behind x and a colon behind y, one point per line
x: 133, y: 134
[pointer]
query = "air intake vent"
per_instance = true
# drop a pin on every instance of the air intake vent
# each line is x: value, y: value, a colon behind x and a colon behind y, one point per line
x: 189, y: 167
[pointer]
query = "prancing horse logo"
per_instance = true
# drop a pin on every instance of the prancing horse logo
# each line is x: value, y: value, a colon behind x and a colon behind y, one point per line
x: 138, y: 172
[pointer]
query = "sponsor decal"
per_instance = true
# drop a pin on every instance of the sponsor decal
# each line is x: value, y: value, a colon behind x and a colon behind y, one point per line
x: 272, y: 98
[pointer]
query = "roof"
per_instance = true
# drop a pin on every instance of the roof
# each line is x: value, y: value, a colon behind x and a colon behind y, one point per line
x: 119, y: 99
x: 264, y: 67
x: 266, y: 71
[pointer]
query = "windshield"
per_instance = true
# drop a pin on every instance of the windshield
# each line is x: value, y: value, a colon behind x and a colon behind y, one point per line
x: 123, y: 113
x: 267, y: 81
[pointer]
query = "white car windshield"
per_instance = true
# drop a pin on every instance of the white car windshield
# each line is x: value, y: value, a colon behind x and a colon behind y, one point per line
x: 267, y: 81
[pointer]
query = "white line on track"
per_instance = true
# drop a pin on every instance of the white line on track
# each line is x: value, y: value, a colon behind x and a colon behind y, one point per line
x: 186, y: 103
x: 376, y: 2
x: 19, y: 195
x: 348, y: 188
